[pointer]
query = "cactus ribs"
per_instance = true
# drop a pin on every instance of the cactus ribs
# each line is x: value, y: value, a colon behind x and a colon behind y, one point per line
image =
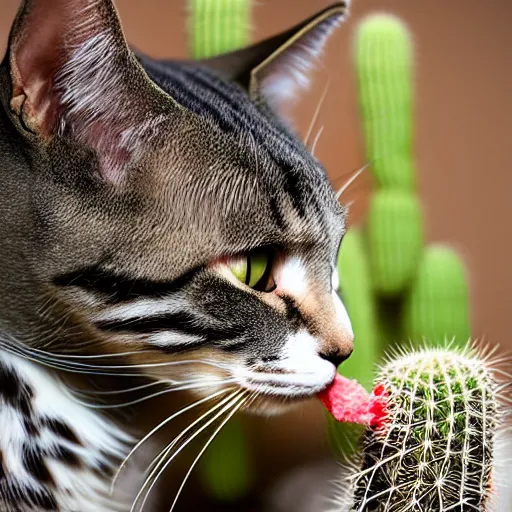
x: 440, y: 412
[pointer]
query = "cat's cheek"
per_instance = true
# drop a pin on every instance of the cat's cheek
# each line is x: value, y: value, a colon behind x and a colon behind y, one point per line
x: 291, y: 279
x: 342, y: 318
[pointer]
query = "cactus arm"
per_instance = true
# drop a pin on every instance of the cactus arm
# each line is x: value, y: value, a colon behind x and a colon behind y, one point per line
x: 437, y: 305
x: 357, y: 295
x: 395, y: 236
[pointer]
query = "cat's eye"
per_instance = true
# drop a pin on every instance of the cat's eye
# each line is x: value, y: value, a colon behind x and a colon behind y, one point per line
x: 255, y: 269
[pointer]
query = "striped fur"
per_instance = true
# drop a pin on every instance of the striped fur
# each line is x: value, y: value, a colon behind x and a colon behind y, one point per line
x: 128, y: 186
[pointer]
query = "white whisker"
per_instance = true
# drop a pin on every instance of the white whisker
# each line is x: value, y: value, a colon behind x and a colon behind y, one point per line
x: 187, y: 387
x: 48, y: 359
x: 350, y: 181
x: 155, y: 383
x: 317, y: 112
x: 236, y: 408
x: 162, y: 464
x: 158, y: 427
x: 317, y: 138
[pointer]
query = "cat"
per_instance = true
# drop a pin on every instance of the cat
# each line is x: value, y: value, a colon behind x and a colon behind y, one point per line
x: 160, y: 221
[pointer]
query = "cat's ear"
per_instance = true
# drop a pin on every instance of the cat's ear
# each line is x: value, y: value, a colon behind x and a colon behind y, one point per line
x: 275, y: 69
x: 73, y: 73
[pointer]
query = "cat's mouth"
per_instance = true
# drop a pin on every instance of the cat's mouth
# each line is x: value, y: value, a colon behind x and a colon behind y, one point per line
x: 286, y: 385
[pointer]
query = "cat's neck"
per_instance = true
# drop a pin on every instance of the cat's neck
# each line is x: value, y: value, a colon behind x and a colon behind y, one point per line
x: 55, y: 453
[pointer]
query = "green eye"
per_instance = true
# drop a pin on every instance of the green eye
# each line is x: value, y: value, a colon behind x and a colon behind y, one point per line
x: 255, y: 270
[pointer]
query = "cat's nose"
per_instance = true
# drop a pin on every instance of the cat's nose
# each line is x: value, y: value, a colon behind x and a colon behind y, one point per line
x: 336, y: 357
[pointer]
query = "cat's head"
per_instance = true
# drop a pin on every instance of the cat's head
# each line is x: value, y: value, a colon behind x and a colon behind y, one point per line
x: 173, y: 211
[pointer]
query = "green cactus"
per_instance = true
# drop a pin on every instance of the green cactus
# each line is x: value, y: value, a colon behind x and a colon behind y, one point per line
x: 218, y: 26
x: 384, y: 69
x: 417, y: 292
x: 436, y: 450
x: 437, y: 306
x: 395, y: 237
x: 357, y: 295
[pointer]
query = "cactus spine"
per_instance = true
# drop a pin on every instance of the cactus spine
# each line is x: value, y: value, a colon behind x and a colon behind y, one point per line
x: 436, y: 451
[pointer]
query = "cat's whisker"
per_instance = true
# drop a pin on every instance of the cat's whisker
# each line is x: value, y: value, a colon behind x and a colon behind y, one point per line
x: 236, y: 408
x: 47, y: 357
x: 317, y: 138
x: 188, y: 387
x: 79, y: 392
x: 160, y: 463
x: 135, y: 388
x: 351, y: 180
x: 317, y: 112
x: 71, y: 367
x: 183, y: 433
x: 161, y: 425
x: 163, y: 464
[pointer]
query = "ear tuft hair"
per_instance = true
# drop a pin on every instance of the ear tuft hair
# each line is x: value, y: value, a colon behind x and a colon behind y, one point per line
x: 74, y: 75
x: 279, y: 78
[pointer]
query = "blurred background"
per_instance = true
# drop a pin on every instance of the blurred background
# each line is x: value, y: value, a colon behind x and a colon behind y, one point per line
x: 462, y: 111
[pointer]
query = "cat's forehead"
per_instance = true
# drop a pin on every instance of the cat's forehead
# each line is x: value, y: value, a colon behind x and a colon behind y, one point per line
x: 244, y: 158
x: 218, y: 177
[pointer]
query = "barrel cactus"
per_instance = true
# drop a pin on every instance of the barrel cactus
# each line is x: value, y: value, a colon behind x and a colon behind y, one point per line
x: 435, y: 451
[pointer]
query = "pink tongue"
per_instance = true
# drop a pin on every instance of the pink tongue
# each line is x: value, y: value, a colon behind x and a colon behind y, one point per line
x: 349, y: 402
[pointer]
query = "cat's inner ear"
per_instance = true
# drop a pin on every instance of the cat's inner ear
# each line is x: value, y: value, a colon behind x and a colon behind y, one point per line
x: 73, y: 74
x: 276, y: 69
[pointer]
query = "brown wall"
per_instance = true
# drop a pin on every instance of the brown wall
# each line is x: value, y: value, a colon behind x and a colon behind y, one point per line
x: 463, y: 83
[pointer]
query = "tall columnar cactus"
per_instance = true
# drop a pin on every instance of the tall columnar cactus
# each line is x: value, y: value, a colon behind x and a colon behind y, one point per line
x: 435, y: 451
x: 384, y: 67
x: 216, y: 27
x: 393, y: 285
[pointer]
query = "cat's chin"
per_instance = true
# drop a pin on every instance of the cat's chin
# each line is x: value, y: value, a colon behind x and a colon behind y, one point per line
x: 271, y: 399
x: 283, y: 389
